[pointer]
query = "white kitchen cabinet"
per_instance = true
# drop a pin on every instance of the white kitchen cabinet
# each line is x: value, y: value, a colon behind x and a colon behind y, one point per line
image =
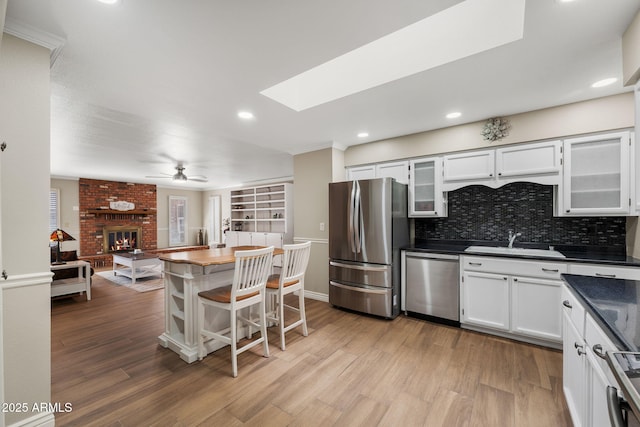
x: 530, y: 162
x: 426, y: 198
x: 361, y: 172
x: 534, y: 308
x: 574, y: 371
x: 539, y: 162
x: 485, y: 300
x: 475, y: 166
x: 513, y: 298
x: 586, y: 374
x: 398, y: 170
x: 245, y: 238
x: 596, y: 177
x: 602, y: 270
x: 598, y: 374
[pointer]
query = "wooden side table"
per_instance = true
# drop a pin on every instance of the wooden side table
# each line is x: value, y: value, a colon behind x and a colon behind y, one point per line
x: 75, y: 284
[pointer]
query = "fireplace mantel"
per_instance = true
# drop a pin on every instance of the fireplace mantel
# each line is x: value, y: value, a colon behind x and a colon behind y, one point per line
x: 117, y: 212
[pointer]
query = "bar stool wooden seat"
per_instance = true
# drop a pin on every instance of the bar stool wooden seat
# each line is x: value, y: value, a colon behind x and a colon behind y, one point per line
x: 252, y: 268
x: 290, y: 279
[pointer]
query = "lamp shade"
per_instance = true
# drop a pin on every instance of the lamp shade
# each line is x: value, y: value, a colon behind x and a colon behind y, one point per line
x: 60, y: 236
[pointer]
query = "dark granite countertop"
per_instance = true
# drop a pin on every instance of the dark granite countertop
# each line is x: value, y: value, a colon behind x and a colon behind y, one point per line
x: 613, y: 304
x: 572, y: 253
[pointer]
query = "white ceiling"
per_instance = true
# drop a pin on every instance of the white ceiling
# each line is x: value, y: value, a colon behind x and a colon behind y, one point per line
x: 144, y: 84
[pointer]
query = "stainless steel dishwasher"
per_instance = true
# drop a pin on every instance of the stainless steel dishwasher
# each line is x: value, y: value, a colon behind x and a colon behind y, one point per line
x: 431, y: 285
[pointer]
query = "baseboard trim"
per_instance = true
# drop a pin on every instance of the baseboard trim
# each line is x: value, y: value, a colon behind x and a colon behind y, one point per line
x: 316, y: 296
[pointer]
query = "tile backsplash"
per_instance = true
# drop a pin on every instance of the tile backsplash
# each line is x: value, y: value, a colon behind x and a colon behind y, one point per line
x: 481, y: 213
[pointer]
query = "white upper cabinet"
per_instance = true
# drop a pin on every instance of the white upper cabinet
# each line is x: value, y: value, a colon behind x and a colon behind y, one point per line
x: 530, y: 160
x: 398, y: 170
x: 536, y: 162
x: 361, y: 172
x: 475, y: 167
x: 596, y: 175
x: 426, y: 197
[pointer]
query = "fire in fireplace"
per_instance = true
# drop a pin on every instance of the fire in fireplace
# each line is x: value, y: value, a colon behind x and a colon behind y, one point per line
x: 121, y: 238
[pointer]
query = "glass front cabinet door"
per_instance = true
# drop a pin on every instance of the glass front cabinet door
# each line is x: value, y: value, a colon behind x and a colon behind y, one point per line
x: 596, y: 175
x: 425, y: 188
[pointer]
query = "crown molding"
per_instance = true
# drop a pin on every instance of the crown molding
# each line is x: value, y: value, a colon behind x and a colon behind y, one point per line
x: 36, y: 36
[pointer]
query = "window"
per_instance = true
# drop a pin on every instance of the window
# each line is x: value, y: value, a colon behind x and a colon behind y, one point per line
x: 213, y: 223
x: 54, y: 209
x: 177, y: 221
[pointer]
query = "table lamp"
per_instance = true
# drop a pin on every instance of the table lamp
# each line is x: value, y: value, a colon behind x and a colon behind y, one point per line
x: 59, y: 236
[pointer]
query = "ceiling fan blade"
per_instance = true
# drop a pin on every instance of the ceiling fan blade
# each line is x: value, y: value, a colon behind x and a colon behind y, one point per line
x: 159, y: 176
x: 198, y: 179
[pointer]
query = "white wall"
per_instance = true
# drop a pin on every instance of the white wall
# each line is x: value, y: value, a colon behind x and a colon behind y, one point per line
x: 25, y: 341
x: 312, y: 174
x: 603, y: 114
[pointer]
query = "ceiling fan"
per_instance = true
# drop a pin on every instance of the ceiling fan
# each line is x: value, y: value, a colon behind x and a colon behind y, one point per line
x: 180, y: 176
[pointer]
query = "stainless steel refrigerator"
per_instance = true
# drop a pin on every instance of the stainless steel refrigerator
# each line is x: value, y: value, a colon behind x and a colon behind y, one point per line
x: 367, y: 227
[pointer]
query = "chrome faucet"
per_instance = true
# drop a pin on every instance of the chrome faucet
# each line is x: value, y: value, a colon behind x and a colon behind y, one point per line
x: 512, y: 238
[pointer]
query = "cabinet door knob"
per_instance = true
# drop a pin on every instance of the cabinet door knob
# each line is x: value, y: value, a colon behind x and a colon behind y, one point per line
x: 568, y: 210
x: 490, y: 174
x: 567, y: 304
x: 579, y: 348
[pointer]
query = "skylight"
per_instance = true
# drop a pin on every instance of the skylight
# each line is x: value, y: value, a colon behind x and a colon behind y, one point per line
x: 468, y: 28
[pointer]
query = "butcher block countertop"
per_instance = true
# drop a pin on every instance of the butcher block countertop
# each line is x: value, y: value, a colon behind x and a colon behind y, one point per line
x: 211, y: 256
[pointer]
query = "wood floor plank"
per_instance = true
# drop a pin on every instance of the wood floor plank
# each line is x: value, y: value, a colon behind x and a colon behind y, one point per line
x: 493, y: 407
x: 350, y: 370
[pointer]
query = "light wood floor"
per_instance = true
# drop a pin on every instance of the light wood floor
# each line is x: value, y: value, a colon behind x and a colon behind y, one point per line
x: 351, y: 370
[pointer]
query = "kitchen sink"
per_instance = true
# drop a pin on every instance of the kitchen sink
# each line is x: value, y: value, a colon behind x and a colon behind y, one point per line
x: 514, y: 251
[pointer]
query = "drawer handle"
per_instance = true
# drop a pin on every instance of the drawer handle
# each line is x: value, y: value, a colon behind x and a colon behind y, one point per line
x: 567, y: 304
x: 612, y: 276
x: 550, y: 270
x: 597, y: 349
x: 475, y: 263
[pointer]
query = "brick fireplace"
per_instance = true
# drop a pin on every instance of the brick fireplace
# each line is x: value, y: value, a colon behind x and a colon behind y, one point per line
x: 96, y: 216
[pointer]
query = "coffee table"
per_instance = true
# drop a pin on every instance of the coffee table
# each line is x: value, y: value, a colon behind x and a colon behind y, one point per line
x: 136, y: 266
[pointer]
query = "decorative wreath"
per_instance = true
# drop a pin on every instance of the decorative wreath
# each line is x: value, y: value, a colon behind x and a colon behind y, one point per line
x: 495, y: 129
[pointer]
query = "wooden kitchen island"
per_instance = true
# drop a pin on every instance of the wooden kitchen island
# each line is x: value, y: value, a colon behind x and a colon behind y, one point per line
x: 185, y: 275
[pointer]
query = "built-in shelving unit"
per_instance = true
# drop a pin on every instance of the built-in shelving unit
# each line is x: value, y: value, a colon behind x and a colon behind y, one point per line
x: 266, y: 209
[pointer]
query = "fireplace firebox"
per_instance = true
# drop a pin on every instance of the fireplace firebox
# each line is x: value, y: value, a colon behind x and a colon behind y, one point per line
x: 121, y: 238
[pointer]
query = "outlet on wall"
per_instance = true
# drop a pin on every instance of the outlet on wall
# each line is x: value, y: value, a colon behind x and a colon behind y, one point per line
x: 322, y: 226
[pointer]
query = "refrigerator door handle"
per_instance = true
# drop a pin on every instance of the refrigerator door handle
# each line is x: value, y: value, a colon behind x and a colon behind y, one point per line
x: 357, y: 219
x: 363, y: 289
x: 350, y: 214
x: 357, y: 267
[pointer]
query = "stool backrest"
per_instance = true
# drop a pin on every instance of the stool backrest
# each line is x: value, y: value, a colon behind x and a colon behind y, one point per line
x: 294, y: 264
x: 252, y: 270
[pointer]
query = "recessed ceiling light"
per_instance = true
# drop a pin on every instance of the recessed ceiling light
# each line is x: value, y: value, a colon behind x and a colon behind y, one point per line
x: 454, y: 115
x: 109, y: 1
x: 245, y: 115
x: 604, y: 82
x: 363, y: 135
